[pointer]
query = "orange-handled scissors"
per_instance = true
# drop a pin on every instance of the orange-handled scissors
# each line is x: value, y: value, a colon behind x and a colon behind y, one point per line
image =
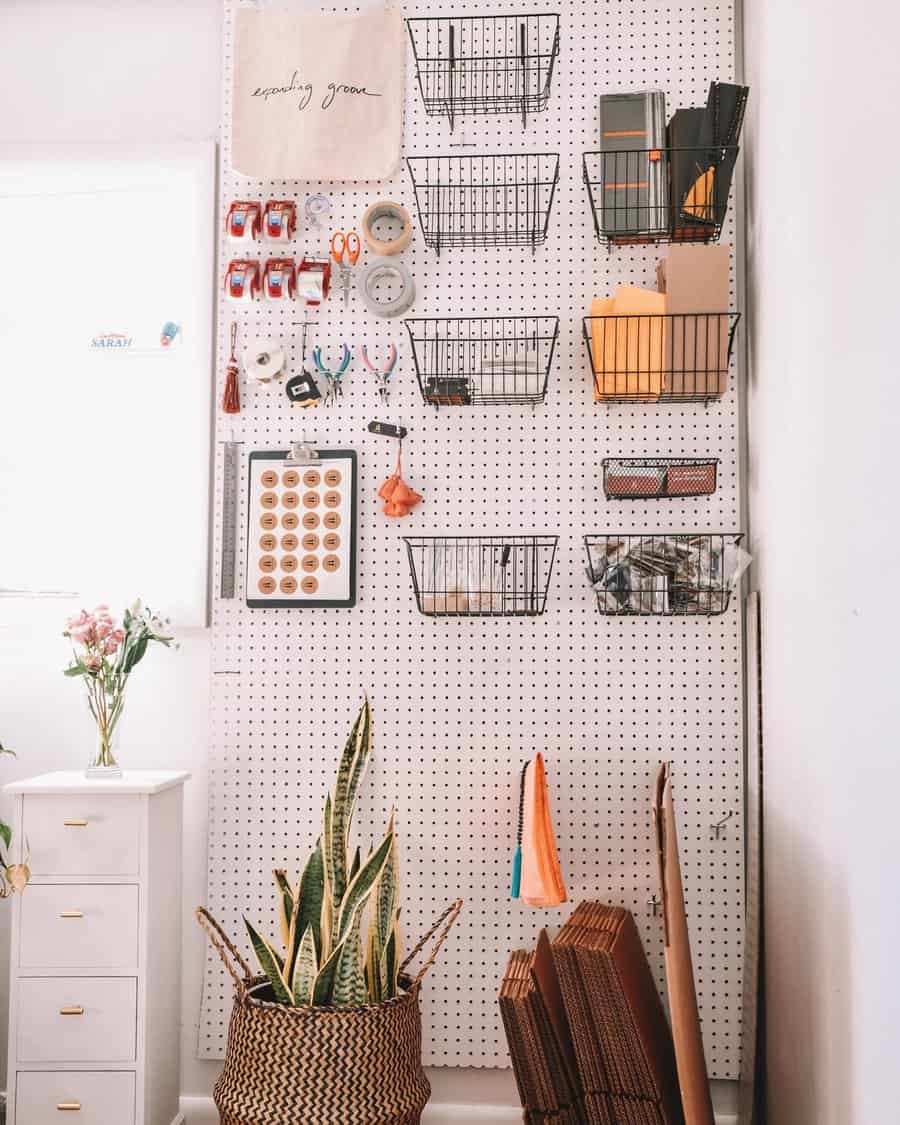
x: 345, y: 245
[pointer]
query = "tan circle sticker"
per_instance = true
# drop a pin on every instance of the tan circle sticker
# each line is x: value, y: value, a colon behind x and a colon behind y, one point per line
x: 331, y: 541
x: 332, y: 499
x: 290, y: 479
x: 310, y: 542
x: 311, y: 478
x: 311, y: 520
x: 266, y: 585
x: 267, y: 542
x: 269, y: 499
x: 267, y: 564
x: 310, y: 563
x: 333, y: 478
x: 290, y: 499
x: 309, y: 585
x: 269, y: 478
x: 289, y: 564
x: 290, y: 521
x: 268, y: 520
x: 332, y: 520
x: 289, y: 542
x: 310, y: 500
x: 331, y: 563
x: 288, y: 585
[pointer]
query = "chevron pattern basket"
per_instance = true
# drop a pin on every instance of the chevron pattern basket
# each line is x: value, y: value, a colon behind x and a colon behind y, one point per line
x: 322, y: 1066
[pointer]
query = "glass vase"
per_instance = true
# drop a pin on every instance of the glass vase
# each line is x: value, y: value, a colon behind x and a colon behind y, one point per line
x: 104, y: 763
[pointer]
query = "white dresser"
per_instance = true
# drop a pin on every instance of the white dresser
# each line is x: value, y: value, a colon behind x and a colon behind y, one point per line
x: 95, y: 982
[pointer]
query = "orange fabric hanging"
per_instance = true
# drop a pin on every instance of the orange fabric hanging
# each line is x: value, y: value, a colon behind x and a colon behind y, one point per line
x: 399, y: 498
x: 541, y: 881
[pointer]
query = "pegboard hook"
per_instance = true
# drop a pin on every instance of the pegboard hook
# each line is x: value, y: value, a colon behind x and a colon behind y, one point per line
x: 717, y: 830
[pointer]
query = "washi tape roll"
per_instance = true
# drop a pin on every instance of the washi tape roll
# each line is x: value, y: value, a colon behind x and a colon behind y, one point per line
x: 398, y: 216
x: 378, y: 272
x: 263, y: 359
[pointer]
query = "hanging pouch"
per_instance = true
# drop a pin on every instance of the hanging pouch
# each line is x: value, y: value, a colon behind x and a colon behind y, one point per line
x: 318, y: 97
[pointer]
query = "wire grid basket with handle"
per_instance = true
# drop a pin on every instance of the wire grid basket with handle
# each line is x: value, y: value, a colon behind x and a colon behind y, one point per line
x: 658, y: 478
x: 483, y: 361
x: 322, y: 1065
x: 498, y: 200
x: 481, y: 575
x: 484, y: 64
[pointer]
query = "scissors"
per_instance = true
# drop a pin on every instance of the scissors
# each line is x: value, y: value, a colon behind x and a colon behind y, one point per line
x: 345, y: 246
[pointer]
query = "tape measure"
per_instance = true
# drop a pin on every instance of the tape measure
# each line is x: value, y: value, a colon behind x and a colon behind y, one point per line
x: 229, y: 520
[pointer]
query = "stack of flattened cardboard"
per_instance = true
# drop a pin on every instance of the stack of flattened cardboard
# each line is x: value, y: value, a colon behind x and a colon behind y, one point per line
x: 539, y: 1040
x: 622, y: 1041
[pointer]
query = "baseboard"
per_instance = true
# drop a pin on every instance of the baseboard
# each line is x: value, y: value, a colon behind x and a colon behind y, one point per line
x: 201, y: 1111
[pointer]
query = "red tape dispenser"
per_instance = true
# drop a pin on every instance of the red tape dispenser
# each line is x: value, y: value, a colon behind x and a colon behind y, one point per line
x: 279, y: 279
x: 280, y: 220
x: 242, y: 280
x: 244, y: 221
x: 313, y: 280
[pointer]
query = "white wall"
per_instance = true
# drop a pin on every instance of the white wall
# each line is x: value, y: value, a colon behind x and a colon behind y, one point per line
x: 825, y: 406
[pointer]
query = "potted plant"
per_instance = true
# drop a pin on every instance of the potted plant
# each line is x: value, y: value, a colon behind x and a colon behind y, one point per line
x: 330, y: 1029
x: 104, y: 654
x: 13, y: 876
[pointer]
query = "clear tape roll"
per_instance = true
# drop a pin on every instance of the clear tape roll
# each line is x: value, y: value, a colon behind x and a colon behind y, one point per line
x: 263, y: 359
x: 396, y: 212
x: 375, y: 272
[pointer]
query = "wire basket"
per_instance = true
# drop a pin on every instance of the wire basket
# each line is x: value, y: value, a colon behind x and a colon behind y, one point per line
x: 484, y: 200
x: 649, y: 478
x: 484, y: 64
x: 663, y: 574
x: 665, y: 357
x: 481, y: 575
x: 659, y: 195
x: 483, y: 361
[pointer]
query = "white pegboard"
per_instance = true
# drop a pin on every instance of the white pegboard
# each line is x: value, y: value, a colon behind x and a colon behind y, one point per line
x: 460, y: 703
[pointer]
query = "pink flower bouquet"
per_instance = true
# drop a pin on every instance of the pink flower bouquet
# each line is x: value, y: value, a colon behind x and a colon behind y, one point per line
x: 104, y: 655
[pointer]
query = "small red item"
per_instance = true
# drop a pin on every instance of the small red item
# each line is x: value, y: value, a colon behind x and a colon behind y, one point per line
x: 312, y: 292
x: 280, y: 220
x: 279, y: 278
x: 244, y: 221
x: 231, y: 399
x: 399, y: 498
x: 242, y: 279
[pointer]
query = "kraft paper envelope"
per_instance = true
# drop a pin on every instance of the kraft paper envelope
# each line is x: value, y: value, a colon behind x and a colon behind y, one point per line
x: 695, y: 280
x: 689, y: 1057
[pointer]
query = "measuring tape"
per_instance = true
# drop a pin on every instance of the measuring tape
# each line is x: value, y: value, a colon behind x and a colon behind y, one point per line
x: 229, y: 519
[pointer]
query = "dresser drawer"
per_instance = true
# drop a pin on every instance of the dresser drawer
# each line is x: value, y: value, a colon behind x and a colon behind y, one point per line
x: 78, y: 927
x: 77, y: 1019
x: 90, y: 835
x: 101, y: 1097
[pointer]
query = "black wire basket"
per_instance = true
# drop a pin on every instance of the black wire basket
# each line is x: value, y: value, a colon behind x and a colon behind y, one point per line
x: 663, y: 574
x: 664, y: 357
x: 483, y: 361
x: 481, y: 575
x: 659, y: 195
x: 484, y: 64
x: 502, y: 200
x: 657, y: 478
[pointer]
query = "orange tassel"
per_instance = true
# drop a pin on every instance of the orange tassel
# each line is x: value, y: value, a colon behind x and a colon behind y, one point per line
x: 399, y: 498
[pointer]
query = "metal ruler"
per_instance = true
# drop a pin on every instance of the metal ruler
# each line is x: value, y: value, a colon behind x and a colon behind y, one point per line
x: 229, y: 519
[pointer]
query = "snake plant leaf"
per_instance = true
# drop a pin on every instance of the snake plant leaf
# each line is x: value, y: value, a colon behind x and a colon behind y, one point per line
x: 269, y: 963
x: 326, y: 927
x: 324, y: 983
x: 306, y: 969
x: 390, y: 964
x: 345, y: 789
x: 363, y: 885
x: 374, y: 969
x: 387, y: 892
x: 328, y: 850
x: 310, y: 894
x: 286, y: 913
x: 349, y: 981
x: 361, y: 758
x: 355, y: 865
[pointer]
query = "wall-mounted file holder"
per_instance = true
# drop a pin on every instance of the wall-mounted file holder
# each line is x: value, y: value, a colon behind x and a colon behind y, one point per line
x: 657, y: 478
x: 481, y: 575
x: 484, y: 64
x: 483, y: 361
x: 665, y: 357
x: 663, y: 575
x: 502, y: 200
x: 659, y: 195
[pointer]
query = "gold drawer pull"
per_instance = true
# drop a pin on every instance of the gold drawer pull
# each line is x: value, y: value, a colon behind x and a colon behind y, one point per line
x: 72, y: 914
x: 72, y: 1010
x: 68, y: 1105
x: 79, y: 822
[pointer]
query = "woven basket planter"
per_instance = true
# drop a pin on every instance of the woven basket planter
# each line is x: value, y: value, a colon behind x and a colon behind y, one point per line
x: 322, y: 1066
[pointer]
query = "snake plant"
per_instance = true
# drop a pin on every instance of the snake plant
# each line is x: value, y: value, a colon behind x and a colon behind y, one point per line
x: 340, y: 929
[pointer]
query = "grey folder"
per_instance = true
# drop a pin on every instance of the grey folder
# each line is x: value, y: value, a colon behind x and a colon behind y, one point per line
x: 634, y: 179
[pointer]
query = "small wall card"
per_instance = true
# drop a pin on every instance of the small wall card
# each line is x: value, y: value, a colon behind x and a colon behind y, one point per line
x: 318, y: 97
